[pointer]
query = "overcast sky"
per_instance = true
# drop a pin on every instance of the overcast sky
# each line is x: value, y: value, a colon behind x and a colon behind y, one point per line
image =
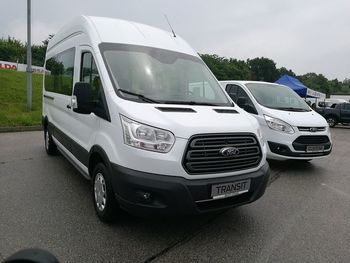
x: 303, y: 35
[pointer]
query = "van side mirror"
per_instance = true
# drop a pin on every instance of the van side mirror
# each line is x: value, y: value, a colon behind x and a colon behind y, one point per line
x: 82, y: 98
x: 242, y: 103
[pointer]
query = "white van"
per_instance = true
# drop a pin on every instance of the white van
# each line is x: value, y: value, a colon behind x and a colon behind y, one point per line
x: 292, y: 129
x: 136, y: 110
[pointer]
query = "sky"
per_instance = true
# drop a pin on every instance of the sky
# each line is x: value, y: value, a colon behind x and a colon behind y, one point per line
x: 302, y: 35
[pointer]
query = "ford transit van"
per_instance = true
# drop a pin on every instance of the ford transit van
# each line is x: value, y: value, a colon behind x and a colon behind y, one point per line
x: 138, y: 113
x: 292, y: 129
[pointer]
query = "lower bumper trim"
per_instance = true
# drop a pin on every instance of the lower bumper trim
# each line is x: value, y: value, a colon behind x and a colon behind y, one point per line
x: 284, y: 150
x: 177, y: 195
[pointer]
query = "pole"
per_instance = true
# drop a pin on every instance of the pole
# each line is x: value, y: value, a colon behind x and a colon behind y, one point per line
x: 29, y: 57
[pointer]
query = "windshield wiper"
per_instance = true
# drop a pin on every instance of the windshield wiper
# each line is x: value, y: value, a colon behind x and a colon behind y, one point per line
x: 189, y: 103
x: 140, y: 96
x: 290, y: 109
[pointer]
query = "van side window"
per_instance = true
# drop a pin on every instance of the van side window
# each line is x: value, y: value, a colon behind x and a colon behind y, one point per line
x: 89, y: 74
x: 231, y: 90
x: 238, y: 95
x: 61, y: 71
x: 242, y: 94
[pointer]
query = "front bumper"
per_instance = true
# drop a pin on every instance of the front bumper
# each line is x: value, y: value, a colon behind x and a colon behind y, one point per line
x: 284, y: 151
x: 177, y: 195
x: 282, y: 146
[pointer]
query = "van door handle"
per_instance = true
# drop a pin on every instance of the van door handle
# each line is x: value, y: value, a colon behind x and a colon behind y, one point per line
x: 69, y: 106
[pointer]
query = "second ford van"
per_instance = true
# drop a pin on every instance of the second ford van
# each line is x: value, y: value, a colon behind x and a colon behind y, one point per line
x: 292, y: 129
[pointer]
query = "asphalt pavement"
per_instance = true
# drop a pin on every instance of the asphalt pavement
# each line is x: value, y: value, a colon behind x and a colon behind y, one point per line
x: 304, y: 215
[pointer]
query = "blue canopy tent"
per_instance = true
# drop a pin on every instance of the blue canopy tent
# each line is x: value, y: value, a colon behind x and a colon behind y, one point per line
x: 294, y: 84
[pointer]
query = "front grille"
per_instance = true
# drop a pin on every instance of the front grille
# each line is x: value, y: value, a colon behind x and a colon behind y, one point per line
x: 312, y: 129
x: 202, y: 155
x: 310, y: 140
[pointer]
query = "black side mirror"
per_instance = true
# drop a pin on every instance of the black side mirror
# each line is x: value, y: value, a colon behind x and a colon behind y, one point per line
x: 82, y: 98
x: 250, y: 109
x: 242, y: 102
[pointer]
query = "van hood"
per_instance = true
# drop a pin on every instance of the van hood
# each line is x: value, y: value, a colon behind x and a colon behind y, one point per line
x: 198, y: 119
x: 307, y: 119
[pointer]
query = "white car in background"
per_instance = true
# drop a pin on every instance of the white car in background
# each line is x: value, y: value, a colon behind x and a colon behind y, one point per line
x: 291, y: 128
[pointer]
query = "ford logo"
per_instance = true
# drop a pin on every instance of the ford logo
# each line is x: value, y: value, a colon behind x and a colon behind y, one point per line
x: 313, y: 129
x: 229, y: 151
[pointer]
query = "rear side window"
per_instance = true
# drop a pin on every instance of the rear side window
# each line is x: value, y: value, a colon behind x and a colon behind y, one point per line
x: 61, y: 71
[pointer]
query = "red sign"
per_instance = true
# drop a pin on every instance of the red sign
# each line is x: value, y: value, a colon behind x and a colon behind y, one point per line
x: 8, y: 66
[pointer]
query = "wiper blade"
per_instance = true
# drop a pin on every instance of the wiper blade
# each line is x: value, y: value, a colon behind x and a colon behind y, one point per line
x: 290, y: 109
x: 140, y: 96
x: 188, y: 103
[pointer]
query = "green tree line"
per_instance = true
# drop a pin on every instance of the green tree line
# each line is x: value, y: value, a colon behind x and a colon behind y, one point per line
x: 261, y: 69
x: 14, y: 50
x: 264, y: 69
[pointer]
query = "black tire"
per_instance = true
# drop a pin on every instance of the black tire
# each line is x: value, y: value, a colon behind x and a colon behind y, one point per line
x: 50, y: 146
x: 105, y: 204
x: 331, y: 120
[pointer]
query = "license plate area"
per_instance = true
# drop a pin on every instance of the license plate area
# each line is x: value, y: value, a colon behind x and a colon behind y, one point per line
x: 230, y: 189
x: 314, y: 148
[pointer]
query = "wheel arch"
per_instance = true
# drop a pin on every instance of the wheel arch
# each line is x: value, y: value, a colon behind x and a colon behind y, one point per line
x: 97, y: 155
x: 332, y: 115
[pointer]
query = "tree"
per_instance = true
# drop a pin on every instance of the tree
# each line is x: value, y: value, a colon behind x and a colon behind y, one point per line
x: 284, y: 71
x: 12, y: 50
x: 316, y: 82
x: 263, y: 69
x: 227, y: 69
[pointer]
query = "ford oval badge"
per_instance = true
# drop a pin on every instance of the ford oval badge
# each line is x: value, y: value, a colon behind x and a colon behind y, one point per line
x: 229, y: 151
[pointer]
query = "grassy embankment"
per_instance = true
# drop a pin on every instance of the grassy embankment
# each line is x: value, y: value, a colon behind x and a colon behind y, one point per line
x: 13, y: 99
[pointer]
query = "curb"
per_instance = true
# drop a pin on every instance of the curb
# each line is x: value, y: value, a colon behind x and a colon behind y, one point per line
x: 21, y: 128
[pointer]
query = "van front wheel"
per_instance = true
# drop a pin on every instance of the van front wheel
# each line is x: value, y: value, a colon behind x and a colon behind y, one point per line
x: 105, y: 204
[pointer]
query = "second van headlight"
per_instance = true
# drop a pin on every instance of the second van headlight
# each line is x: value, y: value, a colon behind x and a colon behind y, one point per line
x: 278, y: 125
x: 146, y: 137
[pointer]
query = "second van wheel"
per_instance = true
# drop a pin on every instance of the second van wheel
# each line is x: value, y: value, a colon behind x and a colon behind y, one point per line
x: 105, y: 203
x: 50, y: 146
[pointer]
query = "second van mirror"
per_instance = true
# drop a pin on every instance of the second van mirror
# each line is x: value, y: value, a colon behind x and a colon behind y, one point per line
x: 83, y: 98
x: 242, y: 102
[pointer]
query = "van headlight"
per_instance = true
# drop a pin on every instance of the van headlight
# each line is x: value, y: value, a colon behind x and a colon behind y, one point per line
x: 278, y: 125
x: 146, y: 137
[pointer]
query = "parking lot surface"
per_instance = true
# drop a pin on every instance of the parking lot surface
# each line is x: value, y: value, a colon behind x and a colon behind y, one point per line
x: 304, y: 215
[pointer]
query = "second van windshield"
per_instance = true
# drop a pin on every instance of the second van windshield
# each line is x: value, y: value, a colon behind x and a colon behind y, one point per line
x: 147, y: 74
x: 277, y: 97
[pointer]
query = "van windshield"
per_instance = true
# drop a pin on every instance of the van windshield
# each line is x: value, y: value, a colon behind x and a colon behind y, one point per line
x: 277, y: 97
x: 146, y: 74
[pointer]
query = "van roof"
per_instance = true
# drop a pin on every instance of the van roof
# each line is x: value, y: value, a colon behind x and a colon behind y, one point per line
x: 111, y: 30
